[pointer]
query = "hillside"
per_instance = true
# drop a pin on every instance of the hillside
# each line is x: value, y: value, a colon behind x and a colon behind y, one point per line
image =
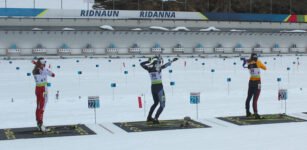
x: 233, y: 6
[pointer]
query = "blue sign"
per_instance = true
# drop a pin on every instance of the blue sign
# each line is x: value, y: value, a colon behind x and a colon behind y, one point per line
x: 194, y: 98
x: 224, y: 59
x: 235, y: 63
x: 169, y: 60
x: 282, y: 94
x: 79, y: 72
x: 203, y: 63
x: 109, y: 60
x: 97, y: 65
x: 93, y: 102
x: 140, y: 60
x: 274, y: 58
x: 49, y: 84
x: 58, y: 67
x: 170, y: 71
x: 288, y: 68
x: 10, y: 62
x: 126, y: 72
x: 28, y: 74
x: 265, y: 62
x: 196, y: 59
x: 212, y: 70
x: 172, y: 83
x: 113, y: 85
x: 17, y: 68
x: 77, y: 61
x: 278, y: 79
x: 294, y: 63
x: 91, y: 57
x: 228, y: 79
x: 133, y: 65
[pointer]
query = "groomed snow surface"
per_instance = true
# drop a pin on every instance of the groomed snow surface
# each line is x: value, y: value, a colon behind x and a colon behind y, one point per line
x: 195, y: 77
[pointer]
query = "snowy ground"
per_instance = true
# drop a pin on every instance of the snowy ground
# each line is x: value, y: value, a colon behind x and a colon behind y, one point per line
x: 215, y: 102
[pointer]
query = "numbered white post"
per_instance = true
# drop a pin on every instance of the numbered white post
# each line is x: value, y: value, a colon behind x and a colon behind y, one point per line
x: 93, y: 103
x: 283, y: 95
x: 195, y: 99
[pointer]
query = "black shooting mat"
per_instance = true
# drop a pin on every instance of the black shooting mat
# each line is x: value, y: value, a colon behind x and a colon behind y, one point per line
x: 56, y: 131
x: 141, y: 126
x: 268, y: 119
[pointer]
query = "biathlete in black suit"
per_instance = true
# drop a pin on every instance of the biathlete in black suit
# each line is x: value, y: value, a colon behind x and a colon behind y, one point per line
x: 154, y: 66
x: 254, y: 86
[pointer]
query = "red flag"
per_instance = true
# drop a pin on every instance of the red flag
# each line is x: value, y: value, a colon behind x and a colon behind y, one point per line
x: 49, y: 66
x: 185, y: 63
x: 298, y: 63
x: 140, y: 102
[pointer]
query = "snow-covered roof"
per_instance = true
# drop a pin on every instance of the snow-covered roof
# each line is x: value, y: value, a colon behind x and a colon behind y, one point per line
x: 106, y: 27
x: 37, y: 29
x: 237, y: 30
x: 137, y: 29
x: 68, y: 29
x: 293, y: 31
x: 180, y: 29
x: 210, y: 29
x: 158, y: 28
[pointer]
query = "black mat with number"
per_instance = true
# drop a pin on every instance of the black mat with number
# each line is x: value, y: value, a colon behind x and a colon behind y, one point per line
x: 163, y: 125
x: 56, y: 131
x: 268, y: 119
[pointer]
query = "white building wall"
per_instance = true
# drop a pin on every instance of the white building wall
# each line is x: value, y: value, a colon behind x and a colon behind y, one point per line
x: 76, y: 40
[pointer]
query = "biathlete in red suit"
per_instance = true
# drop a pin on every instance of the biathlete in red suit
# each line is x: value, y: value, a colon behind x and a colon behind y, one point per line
x: 40, y: 74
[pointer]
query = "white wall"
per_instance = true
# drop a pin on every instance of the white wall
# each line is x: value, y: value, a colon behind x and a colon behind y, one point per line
x: 146, y: 40
x: 51, y: 4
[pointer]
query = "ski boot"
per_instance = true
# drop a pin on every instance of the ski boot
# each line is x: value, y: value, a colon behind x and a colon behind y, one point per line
x: 156, y: 121
x: 248, y: 113
x: 257, y: 116
x: 149, y: 119
x: 42, y: 128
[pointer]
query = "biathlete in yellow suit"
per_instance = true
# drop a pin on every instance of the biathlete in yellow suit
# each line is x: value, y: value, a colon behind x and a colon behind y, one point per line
x: 254, y: 86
